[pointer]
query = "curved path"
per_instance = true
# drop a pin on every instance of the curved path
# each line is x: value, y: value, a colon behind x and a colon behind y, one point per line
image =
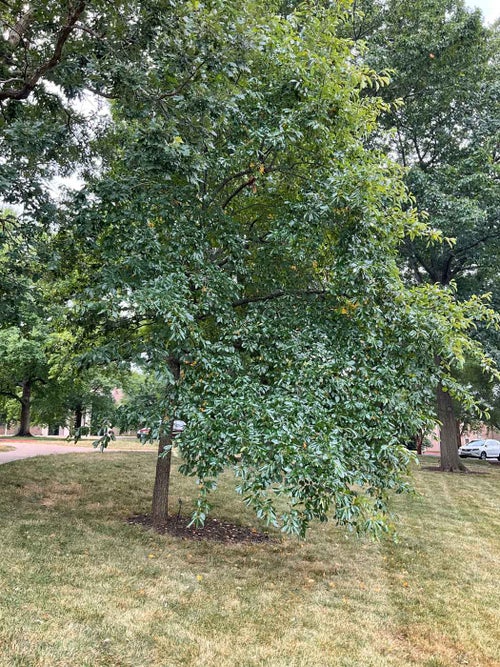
x: 25, y: 449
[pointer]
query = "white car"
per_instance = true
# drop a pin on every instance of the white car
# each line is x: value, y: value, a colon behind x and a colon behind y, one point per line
x: 480, y: 449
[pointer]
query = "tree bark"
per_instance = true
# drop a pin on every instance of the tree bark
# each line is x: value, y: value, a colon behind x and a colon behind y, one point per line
x: 25, y: 400
x: 450, y: 461
x: 20, y: 28
x: 163, y: 465
x: 419, y: 439
x: 78, y: 416
x: 458, y: 433
x: 162, y: 483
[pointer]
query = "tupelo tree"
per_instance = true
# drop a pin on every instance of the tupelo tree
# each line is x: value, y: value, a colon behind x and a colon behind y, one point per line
x: 236, y: 236
x: 239, y: 243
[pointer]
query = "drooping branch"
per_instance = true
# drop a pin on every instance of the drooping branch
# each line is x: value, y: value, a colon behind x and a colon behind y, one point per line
x: 268, y: 297
x: 255, y: 299
x: 276, y: 295
x: 62, y: 37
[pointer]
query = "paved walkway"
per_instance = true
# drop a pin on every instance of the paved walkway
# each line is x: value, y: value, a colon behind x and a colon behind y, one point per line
x: 25, y: 449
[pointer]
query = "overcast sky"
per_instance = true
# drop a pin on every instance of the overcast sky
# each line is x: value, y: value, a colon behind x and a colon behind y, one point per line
x: 490, y: 8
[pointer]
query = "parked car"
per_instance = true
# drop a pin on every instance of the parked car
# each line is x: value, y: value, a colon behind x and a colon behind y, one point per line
x: 143, y: 433
x: 480, y: 449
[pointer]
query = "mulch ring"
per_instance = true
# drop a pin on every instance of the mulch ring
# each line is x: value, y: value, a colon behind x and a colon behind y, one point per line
x: 215, y: 530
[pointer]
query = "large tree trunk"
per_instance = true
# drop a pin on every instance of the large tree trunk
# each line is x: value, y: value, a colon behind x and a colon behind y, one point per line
x: 450, y: 461
x: 25, y: 400
x: 163, y: 465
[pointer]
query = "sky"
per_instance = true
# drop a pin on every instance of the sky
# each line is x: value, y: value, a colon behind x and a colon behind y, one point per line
x: 490, y: 8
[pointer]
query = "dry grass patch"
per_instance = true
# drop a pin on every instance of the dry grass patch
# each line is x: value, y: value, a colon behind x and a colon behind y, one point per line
x: 6, y: 448
x: 122, y: 443
x: 51, y: 494
x: 81, y: 587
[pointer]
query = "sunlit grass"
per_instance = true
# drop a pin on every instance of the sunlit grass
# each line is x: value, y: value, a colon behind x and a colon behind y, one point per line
x: 81, y: 587
x: 127, y: 443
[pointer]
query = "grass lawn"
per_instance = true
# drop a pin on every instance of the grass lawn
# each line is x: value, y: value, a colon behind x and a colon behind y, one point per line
x: 81, y: 587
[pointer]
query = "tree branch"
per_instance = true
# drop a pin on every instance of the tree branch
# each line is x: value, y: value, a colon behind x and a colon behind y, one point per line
x: 446, y: 274
x: 427, y: 267
x: 180, y: 87
x: 276, y: 295
x: 20, y: 28
x: 62, y: 37
x: 100, y: 93
x: 11, y: 395
x: 228, y: 179
x: 244, y: 185
x: 483, y: 239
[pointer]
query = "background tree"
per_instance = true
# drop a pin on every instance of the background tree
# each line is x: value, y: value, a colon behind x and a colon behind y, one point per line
x: 24, y: 368
x: 487, y: 390
x: 15, y: 281
x: 444, y: 65
x: 138, y: 408
x: 81, y: 400
x: 23, y: 320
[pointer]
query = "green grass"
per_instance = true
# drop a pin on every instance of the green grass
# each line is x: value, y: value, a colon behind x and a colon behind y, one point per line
x: 81, y: 587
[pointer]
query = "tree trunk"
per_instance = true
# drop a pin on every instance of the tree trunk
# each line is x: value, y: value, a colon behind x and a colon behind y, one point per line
x: 163, y: 465
x: 25, y: 400
x: 78, y: 416
x: 450, y: 461
x: 162, y: 483
x: 419, y: 439
x: 458, y: 433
